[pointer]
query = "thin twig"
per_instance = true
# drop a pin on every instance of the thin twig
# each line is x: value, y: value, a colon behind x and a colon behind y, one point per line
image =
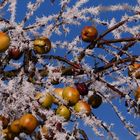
x: 112, y: 63
x: 112, y: 28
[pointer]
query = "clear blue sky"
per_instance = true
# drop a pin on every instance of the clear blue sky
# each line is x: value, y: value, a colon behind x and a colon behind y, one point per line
x: 104, y: 112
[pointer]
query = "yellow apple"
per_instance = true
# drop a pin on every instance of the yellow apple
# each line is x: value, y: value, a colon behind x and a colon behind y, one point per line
x: 28, y: 123
x: 137, y: 94
x: 4, y: 42
x: 134, y: 69
x: 71, y: 95
x: 15, y: 127
x: 58, y: 92
x: 82, y: 107
x: 45, y: 100
x: 64, y: 112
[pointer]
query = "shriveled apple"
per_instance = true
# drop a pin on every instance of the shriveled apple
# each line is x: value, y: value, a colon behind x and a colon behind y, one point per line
x: 82, y: 88
x: 15, y: 53
x: 42, y: 45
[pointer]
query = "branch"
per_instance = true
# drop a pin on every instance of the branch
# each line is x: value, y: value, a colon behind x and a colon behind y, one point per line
x: 57, y: 23
x: 59, y: 58
x: 113, y: 88
x: 112, y: 28
x: 125, y: 48
x: 105, y: 127
x: 118, y: 40
x: 123, y: 120
x: 112, y: 63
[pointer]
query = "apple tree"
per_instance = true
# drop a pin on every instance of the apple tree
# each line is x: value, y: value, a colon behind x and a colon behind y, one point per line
x: 61, y: 62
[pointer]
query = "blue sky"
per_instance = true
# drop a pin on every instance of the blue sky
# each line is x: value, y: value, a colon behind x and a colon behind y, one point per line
x: 104, y: 112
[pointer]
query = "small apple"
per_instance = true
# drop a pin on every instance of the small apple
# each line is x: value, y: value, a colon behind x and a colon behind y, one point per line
x: 95, y: 100
x: 45, y: 100
x: 89, y: 33
x: 82, y: 107
x: 5, y: 121
x: 28, y: 123
x: 134, y: 66
x: 137, y: 75
x: 137, y: 94
x: 64, y: 112
x: 133, y: 70
x: 42, y: 45
x: 4, y: 42
x: 82, y: 88
x: 15, y: 127
x: 71, y: 95
x: 58, y: 92
x: 15, y: 53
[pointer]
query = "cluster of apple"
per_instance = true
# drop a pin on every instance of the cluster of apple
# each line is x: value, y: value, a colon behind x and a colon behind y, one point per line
x: 27, y: 124
x: 72, y: 96
x: 41, y: 45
